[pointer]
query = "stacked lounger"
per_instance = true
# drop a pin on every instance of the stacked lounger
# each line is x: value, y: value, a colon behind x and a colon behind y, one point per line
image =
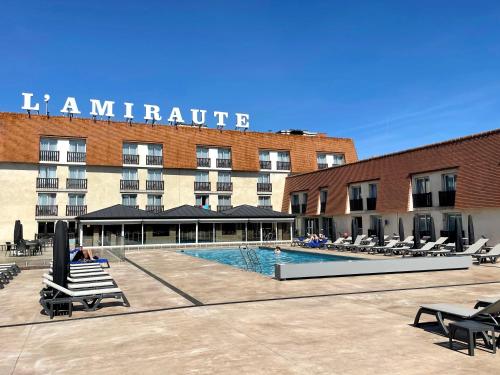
x: 7, y: 273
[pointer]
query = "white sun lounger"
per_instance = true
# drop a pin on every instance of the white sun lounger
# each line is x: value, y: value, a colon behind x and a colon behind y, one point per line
x: 389, y: 245
x: 472, y: 249
x: 491, y: 255
x: 422, y: 251
x: 83, y: 284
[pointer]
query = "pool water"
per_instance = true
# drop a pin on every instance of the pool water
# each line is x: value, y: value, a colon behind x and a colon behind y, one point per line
x: 267, y: 258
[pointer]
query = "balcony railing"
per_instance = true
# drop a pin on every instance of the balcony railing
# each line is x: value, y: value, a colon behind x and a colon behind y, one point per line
x: 202, y: 186
x: 322, y: 165
x: 223, y: 163
x: 265, y: 206
x: 356, y: 204
x: 283, y: 165
x: 49, y: 155
x: 265, y: 187
x: 422, y: 200
x: 76, y: 210
x: 154, y: 160
x: 224, y: 186
x: 129, y: 184
x: 203, y: 162
x: 221, y: 208
x: 76, y: 157
x: 154, y: 185
x: 46, y: 210
x: 154, y: 208
x: 47, y: 183
x: 265, y: 164
x: 76, y: 183
x: 295, y: 208
x: 322, y: 207
x: 130, y: 159
x: 371, y: 204
x: 447, y: 198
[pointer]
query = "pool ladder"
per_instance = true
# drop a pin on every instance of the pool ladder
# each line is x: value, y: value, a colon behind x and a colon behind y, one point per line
x: 251, y: 259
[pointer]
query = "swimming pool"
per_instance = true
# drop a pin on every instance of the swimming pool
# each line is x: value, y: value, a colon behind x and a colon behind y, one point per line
x: 267, y: 258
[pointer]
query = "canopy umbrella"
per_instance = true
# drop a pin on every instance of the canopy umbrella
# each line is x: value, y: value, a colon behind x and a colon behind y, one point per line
x: 470, y: 230
x: 60, y: 261
x: 334, y: 231
x: 416, y: 232
x: 432, y: 229
x: 17, y: 232
x: 401, y: 229
x: 380, y: 232
x: 354, y: 229
x: 21, y: 233
x: 459, y: 242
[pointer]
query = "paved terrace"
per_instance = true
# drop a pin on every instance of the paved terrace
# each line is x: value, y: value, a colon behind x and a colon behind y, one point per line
x: 189, y: 315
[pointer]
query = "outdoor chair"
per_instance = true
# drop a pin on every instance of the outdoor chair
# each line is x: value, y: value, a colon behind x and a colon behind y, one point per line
x: 424, y: 250
x: 491, y: 255
x: 84, y: 284
x: 13, y: 266
x: 365, y: 245
x: 332, y: 245
x: 382, y: 249
x: 472, y: 249
x: 357, y: 242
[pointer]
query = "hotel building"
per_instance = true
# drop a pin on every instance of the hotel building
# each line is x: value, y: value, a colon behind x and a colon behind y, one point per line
x: 60, y: 168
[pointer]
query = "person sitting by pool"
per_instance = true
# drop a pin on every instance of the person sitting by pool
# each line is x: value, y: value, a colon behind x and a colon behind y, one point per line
x: 277, y: 250
x: 321, y: 236
x: 79, y: 254
x: 308, y: 239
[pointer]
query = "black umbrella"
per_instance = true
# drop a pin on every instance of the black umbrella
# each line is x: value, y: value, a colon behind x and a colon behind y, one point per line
x: 401, y: 229
x: 21, y: 234
x: 60, y: 261
x: 432, y: 230
x: 380, y: 232
x: 459, y: 242
x: 416, y: 232
x: 334, y: 231
x: 354, y: 229
x: 17, y: 231
x: 470, y: 227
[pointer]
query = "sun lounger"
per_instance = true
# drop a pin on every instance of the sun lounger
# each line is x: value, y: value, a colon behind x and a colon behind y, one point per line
x: 332, y: 245
x: 422, y: 251
x: 11, y: 265
x: 381, y: 249
x: 491, y: 255
x: 444, y: 311
x: 356, y: 242
x: 90, y: 299
x: 89, y: 278
x: 472, y: 249
x: 9, y: 272
x: 366, y: 246
x: 84, y: 283
x: 100, y: 261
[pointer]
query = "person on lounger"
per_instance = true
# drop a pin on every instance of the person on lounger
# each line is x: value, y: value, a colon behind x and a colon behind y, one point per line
x: 79, y: 254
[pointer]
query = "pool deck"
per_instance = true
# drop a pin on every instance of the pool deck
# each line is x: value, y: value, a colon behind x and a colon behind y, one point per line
x: 189, y: 315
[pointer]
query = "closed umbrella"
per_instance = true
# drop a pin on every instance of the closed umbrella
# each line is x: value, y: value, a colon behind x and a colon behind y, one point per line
x: 21, y: 234
x: 416, y: 232
x: 334, y: 231
x: 401, y: 229
x: 354, y: 229
x: 432, y: 229
x: 470, y: 229
x: 459, y: 242
x: 380, y: 232
x: 17, y: 231
x: 60, y: 261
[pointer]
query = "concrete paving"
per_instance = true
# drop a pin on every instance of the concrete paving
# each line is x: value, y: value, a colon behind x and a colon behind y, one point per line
x: 192, y: 316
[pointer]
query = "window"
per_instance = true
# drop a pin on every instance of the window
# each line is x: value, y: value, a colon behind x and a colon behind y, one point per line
x: 154, y: 200
x: 48, y: 144
x: 422, y: 185
x: 372, y: 191
x: 129, y: 149
x: 129, y: 174
x: 201, y: 152
x: 295, y: 199
x: 202, y: 201
x: 224, y: 200
x: 338, y: 159
x: 283, y: 156
x: 449, y: 221
x: 154, y: 175
x: 264, y: 178
x: 155, y: 150
x: 228, y: 229
x: 425, y: 223
x: 321, y: 159
x: 76, y: 199
x: 265, y: 200
x: 201, y: 177
x: 224, y: 177
x: 323, y: 196
x: 356, y: 192
x: 264, y: 156
x: 129, y: 199
x: 46, y: 199
x: 77, y: 145
x: 449, y: 182
x: 46, y: 171
x: 374, y: 222
x: 223, y: 153
x: 77, y: 173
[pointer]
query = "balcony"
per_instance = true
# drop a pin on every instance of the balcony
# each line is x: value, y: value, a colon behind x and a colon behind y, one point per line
x: 76, y: 157
x: 322, y: 165
x: 223, y: 163
x: 447, y: 198
x: 130, y: 159
x: 129, y: 184
x: 283, y: 165
x: 76, y: 183
x: 295, y: 208
x: 264, y: 187
x: 154, y: 185
x: 422, y: 200
x: 202, y: 186
x: 265, y: 164
x: 76, y: 210
x: 203, y: 162
x: 265, y: 206
x: 371, y: 204
x: 356, y: 204
x: 46, y: 210
x: 154, y: 208
x: 322, y: 207
x: 224, y: 186
x: 49, y: 155
x: 221, y: 208
x: 154, y: 160
x: 47, y: 183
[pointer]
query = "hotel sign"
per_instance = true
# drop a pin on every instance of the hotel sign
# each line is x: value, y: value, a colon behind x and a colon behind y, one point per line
x: 151, y: 112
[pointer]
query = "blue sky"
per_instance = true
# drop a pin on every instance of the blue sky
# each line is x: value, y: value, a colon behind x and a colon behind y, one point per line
x: 391, y: 75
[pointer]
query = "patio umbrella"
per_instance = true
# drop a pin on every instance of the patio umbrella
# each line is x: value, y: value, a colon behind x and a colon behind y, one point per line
x: 380, y: 232
x: 354, y: 228
x: 334, y: 231
x: 470, y: 229
x: 416, y: 232
x: 401, y: 229
x: 17, y: 231
x: 60, y: 261
x: 432, y: 230
x: 459, y: 242
x: 21, y: 234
